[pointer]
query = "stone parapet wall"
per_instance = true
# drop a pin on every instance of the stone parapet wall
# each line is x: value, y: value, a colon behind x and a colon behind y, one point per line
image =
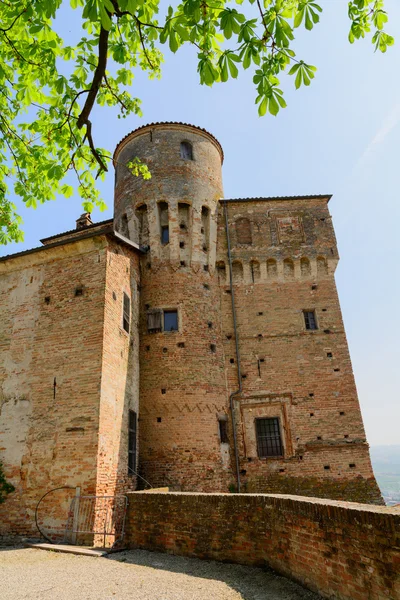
x: 342, y: 550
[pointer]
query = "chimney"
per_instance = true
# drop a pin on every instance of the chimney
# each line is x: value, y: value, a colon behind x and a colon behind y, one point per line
x: 84, y: 221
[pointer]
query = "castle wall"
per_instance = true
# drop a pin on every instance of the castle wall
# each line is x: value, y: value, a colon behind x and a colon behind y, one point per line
x: 49, y: 335
x: 341, y: 550
x: 120, y: 372
x: 284, y: 258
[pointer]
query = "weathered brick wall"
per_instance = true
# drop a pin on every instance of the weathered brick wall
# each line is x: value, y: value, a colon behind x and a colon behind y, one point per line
x: 182, y: 385
x: 120, y: 371
x: 343, y: 550
x: 302, y: 377
x: 49, y: 438
x: 182, y: 377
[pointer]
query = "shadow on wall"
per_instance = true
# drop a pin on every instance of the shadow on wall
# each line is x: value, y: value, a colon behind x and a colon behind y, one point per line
x: 250, y: 582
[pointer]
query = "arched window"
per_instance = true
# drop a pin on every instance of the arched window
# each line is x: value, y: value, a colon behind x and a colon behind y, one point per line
x: 243, y: 231
x: 164, y: 223
x: 186, y: 151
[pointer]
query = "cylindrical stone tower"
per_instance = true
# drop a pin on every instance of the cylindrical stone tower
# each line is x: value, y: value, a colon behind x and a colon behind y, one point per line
x: 173, y: 216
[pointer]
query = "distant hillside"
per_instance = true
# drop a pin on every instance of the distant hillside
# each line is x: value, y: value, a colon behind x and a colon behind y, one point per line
x: 386, y: 465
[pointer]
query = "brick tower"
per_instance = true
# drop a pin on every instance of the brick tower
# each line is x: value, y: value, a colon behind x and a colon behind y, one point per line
x: 173, y: 216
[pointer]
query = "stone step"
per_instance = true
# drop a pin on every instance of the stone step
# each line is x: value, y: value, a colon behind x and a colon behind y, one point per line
x: 84, y: 551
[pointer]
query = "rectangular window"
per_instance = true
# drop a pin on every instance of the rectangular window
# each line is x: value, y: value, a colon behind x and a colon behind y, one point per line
x: 223, y: 431
x: 269, y: 441
x: 132, y: 442
x: 126, y: 316
x: 309, y: 319
x: 170, y: 320
x: 165, y: 234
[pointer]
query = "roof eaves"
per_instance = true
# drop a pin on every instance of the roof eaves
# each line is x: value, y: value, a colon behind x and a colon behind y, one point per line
x: 104, y: 230
x: 269, y: 198
x: 161, y: 123
x: 71, y: 231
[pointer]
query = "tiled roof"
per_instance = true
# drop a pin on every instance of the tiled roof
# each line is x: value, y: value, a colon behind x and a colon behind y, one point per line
x: 161, y: 123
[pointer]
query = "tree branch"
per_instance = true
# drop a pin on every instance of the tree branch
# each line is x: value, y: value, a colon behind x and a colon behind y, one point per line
x: 13, y: 23
x: 97, y: 79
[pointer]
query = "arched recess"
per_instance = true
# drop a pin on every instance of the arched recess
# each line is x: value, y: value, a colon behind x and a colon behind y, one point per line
x: 237, y: 271
x: 288, y: 268
x: 322, y: 266
x: 205, y: 227
x: 305, y: 267
x: 255, y: 271
x: 243, y: 231
x: 221, y: 270
x: 272, y: 268
x: 163, y: 222
x: 142, y: 225
x: 186, y: 150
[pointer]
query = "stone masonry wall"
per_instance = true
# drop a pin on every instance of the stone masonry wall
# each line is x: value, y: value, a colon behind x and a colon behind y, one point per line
x: 50, y: 334
x: 342, y: 550
x: 284, y: 258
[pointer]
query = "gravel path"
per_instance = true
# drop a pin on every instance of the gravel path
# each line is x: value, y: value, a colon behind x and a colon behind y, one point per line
x: 28, y: 574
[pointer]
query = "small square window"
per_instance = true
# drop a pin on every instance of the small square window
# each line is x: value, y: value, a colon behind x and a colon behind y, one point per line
x: 269, y: 441
x: 310, y: 319
x: 170, y: 320
x: 165, y: 234
x: 126, y: 318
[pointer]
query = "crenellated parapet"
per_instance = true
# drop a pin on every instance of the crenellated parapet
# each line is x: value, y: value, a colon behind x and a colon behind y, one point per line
x: 173, y: 215
x: 270, y: 270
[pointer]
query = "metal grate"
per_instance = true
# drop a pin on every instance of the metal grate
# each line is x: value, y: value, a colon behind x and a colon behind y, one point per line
x: 95, y: 520
x: 269, y: 441
x: 310, y: 320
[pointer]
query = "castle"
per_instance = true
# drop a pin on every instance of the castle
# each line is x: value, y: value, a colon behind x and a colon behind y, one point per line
x: 193, y: 341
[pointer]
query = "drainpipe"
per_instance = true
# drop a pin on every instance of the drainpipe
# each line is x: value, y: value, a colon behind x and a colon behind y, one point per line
x: 239, y: 390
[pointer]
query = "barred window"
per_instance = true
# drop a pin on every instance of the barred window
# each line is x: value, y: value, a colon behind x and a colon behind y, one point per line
x: 126, y: 314
x: 269, y: 441
x: 309, y: 319
x: 132, y: 442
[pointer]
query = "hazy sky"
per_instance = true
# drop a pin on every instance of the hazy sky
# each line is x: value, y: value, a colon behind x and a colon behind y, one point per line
x: 340, y: 136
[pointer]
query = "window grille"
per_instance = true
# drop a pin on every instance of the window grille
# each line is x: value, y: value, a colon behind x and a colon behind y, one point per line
x: 186, y: 151
x: 269, y: 441
x: 126, y: 317
x: 309, y: 319
x: 132, y: 441
x: 170, y: 320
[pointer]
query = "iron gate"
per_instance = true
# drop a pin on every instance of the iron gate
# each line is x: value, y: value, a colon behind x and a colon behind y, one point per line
x: 96, y: 521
